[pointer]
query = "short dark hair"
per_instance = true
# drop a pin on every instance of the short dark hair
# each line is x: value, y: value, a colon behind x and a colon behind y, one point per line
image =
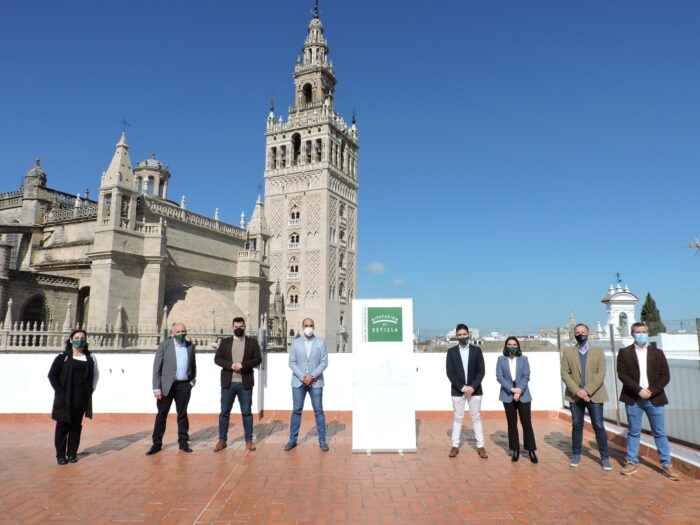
x: 461, y: 326
x: 505, y: 345
x: 638, y: 325
x: 238, y: 320
x: 582, y: 324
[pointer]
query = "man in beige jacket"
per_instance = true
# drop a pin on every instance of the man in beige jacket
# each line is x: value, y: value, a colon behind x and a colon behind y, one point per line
x: 583, y: 373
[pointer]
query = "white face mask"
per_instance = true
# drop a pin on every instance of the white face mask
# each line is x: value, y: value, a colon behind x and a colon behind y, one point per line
x: 308, y: 331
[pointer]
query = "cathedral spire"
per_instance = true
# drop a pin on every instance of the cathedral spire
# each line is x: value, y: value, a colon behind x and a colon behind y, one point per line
x: 316, y: 10
x: 119, y: 172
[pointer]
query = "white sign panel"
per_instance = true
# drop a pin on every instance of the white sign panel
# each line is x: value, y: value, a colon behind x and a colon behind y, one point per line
x: 383, y: 376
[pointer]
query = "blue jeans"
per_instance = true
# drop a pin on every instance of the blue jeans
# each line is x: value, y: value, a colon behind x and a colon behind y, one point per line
x: 299, y: 395
x: 245, y: 401
x: 595, y: 410
x: 635, y: 413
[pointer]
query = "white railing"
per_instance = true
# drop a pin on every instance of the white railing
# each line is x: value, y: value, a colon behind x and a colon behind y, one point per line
x: 293, y: 222
x: 292, y: 275
x: 343, y: 243
x: 49, y: 337
x: 89, y: 211
x: 293, y: 306
x: 249, y: 254
x: 343, y: 221
x: 293, y: 246
x: 683, y: 392
x: 171, y: 211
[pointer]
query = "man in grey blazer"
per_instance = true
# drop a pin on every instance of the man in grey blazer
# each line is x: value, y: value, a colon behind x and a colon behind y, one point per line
x: 308, y: 358
x: 174, y: 373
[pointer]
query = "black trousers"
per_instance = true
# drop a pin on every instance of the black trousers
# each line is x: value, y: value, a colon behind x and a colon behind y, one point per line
x: 67, y: 435
x: 512, y: 410
x: 180, y: 392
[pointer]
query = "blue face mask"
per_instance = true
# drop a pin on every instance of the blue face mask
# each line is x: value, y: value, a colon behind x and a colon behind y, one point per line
x: 641, y: 339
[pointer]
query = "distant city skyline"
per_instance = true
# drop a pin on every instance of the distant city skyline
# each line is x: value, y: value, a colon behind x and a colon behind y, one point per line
x: 513, y: 157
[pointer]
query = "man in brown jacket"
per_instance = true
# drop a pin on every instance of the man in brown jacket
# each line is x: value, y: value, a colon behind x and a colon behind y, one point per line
x: 583, y: 373
x: 237, y: 356
x: 644, y: 373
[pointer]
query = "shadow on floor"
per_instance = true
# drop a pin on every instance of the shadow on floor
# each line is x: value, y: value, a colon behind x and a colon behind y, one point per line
x: 115, y: 443
x: 332, y: 428
x: 466, y: 437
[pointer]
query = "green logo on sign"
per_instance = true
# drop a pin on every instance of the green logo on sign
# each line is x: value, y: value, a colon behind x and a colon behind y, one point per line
x: 384, y: 324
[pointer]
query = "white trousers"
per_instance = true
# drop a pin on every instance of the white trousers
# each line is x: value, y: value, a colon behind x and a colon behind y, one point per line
x: 474, y: 403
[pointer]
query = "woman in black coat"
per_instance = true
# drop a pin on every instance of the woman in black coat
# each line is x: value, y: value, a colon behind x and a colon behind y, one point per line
x: 73, y: 376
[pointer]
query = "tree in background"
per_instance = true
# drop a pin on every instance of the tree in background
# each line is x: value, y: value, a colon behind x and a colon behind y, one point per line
x: 652, y: 317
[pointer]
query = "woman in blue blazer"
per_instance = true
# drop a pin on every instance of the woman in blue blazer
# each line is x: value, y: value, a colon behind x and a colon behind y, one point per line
x: 513, y: 374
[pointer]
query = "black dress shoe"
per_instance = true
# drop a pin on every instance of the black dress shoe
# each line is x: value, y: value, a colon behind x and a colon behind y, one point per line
x: 154, y: 450
x: 73, y: 459
x: 185, y: 448
x: 61, y: 461
x: 533, y: 456
x: 516, y: 456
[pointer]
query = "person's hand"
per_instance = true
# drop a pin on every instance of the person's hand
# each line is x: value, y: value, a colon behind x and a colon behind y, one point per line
x: 582, y: 394
x: 468, y: 390
x: 587, y: 399
x: 516, y: 390
x: 516, y: 397
x: 159, y: 395
x: 308, y: 379
x: 236, y: 367
x: 644, y: 393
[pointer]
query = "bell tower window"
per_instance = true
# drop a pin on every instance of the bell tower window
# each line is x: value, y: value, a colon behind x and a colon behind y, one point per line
x: 307, y: 92
x: 296, y: 148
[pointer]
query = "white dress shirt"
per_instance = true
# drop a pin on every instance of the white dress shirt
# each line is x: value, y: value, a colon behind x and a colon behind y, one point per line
x: 641, y: 352
x: 464, y: 352
x: 512, y: 363
x: 182, y: 361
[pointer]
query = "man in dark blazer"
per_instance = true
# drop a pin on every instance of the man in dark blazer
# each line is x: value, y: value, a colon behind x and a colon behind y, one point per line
x: 237, y: 356
x: 643, y: 370
x: 174, y: 374
x: 466, y: 370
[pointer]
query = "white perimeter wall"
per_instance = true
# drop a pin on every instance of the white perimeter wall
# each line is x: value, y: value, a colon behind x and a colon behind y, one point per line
x: 125, y: 383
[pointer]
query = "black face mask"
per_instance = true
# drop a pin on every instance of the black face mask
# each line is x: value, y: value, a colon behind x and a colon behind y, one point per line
x: 581, y: 339
x: 239, y: 332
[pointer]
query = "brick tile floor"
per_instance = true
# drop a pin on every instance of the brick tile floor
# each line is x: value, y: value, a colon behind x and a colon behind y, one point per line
x: 115, y: 482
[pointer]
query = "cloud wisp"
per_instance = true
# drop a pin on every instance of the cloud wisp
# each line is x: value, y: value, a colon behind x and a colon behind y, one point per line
x: 376, y: 268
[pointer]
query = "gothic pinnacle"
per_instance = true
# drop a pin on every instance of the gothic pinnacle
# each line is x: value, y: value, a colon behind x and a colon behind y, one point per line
x: 316, y: 10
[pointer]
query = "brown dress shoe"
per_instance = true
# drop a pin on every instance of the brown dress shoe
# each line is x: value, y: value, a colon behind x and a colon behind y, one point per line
x: 249, y: 445
x: 221, y: 445
x: 453, y: 452
x: 482, y: 452
x: 671, y: 473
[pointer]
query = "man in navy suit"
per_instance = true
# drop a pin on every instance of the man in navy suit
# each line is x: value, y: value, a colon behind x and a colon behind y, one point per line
x: 308, y: 358
x: 174, y: 373
x: 466, y: 370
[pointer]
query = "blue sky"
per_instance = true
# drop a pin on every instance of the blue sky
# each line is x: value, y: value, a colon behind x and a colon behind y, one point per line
x: 514, y: 155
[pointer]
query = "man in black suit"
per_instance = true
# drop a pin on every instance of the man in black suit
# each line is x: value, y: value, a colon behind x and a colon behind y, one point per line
x: 174, y: 373
x: 465, y: 370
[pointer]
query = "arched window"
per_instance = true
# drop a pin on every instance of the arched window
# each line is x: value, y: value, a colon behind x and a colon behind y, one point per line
x: 296, y: 148
x: 294, y: 241
x: 294, y: 216
x: 341, y: 290
x: 308, y: 93
x: 34, y: 311
x: 342, y: 210
x: 341, y: 261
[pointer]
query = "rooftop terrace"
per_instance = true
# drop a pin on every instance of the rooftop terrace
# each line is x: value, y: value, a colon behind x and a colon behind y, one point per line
x: 115, y: 482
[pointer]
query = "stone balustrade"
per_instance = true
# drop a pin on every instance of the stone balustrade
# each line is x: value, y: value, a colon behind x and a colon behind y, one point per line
x: 49, y: 337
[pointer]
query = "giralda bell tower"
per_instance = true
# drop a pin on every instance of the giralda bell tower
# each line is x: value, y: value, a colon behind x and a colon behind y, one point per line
x: 311, y: 199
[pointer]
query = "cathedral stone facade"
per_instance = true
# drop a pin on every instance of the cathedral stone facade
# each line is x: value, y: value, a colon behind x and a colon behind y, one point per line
x: 133, y: 261
x: 311, y: 197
